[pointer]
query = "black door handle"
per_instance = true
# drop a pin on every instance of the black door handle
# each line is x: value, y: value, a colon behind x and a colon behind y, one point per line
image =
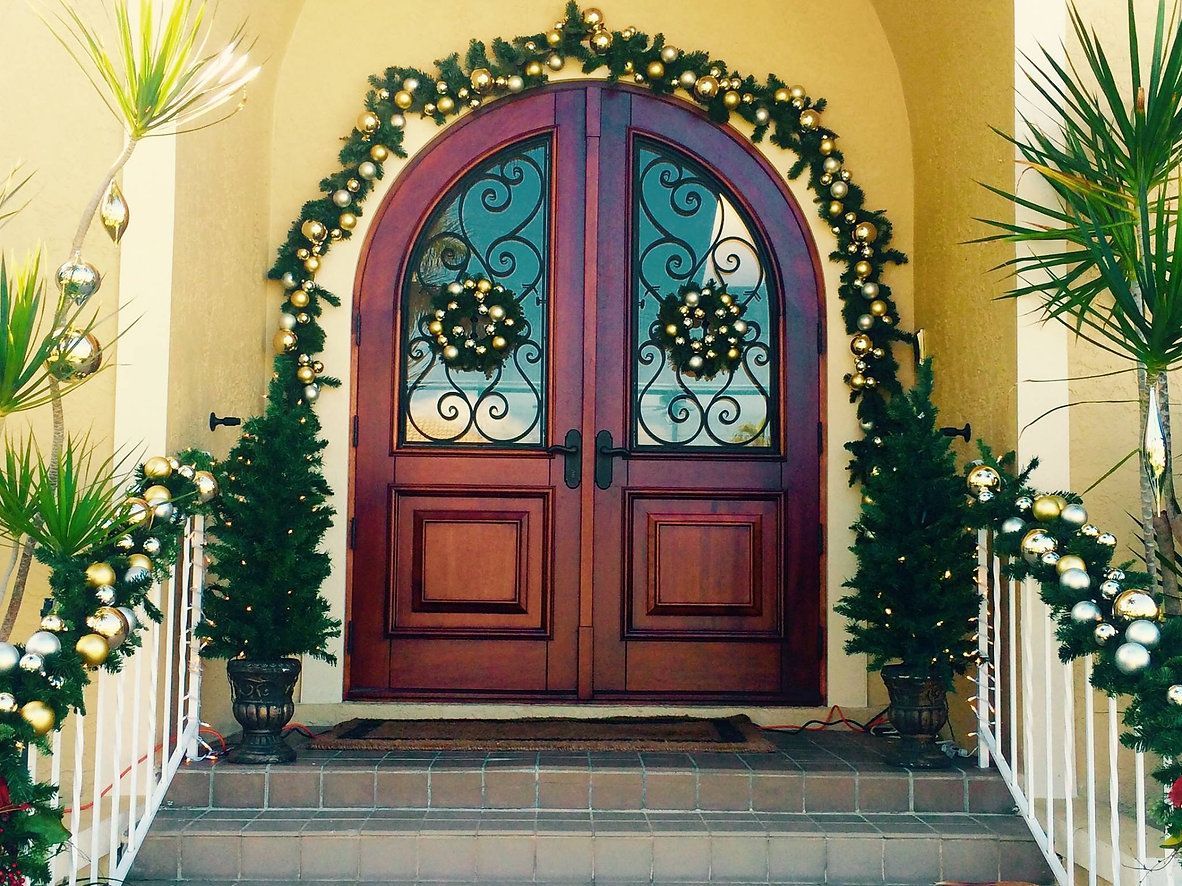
x: 569, y: 449
x: 605, y: 451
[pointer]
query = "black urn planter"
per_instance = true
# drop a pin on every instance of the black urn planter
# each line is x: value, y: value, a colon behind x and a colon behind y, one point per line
x: 261, y: 692
x: 919, y: 710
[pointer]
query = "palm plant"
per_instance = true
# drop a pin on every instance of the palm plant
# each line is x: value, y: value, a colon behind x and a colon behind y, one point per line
x: 1105, y: 256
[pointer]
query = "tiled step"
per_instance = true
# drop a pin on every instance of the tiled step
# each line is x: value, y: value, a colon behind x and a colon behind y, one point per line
x: 196, y: 846
x: 609, y: 782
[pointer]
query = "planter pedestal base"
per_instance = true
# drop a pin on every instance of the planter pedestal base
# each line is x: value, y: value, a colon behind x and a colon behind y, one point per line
x: 262, y: 702
x: 919, y: 710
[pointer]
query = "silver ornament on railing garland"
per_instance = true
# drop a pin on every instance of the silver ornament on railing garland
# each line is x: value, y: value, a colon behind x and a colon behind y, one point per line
x: 1074, y: 514
x: 7, y: 703
x: 1144, y: 632
x: 1085, y: 611
x: 10, y: 657
x: 1035, y: 544
x: 1104, y: 632
x: 1074, y: 580
x: 1109, y: 589
x: 1050, y: 558
x: 1107, y: 539
x: 983, y: 478
x: 1174, y: 694
x: 1131, y: 658
x: 1023, y: 503
x: 43, y: 643
x: 32, y: 662
x: 1013, y: 526
x: 1089, y: 530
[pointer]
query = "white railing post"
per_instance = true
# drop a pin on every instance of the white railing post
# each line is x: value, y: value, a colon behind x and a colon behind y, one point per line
x: 196, y: 588
x: 983, y: 669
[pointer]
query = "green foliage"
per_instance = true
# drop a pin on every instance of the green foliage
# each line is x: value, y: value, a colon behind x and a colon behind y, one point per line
x: 629, y: 55
x: 66, y: 506
x: 273, y: 513
x: 31, y: 833
x: 158, y: 73
x: 1111, y: 161
x: 914, y: 595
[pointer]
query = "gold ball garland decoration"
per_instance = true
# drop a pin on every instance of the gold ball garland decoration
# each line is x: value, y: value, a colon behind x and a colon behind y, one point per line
x: 474, y: 325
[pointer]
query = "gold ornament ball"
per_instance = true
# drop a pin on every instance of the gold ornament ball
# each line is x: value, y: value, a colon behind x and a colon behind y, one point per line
x: 592, y: 16
x: 306, y: 375
x: 601, y: 41
x: 100, y: 575
x: 554, y: 38
x: 312, y: 264
x: 314, y: 231
x: 983, y: 478
x: 835, y: 208
x: 284, y: 341
x: 368, y: 122
x: 499, y: 343
x: 93, y: 649
x: 731, y: 100
x: 481, y: 79
x: 857, y: 381
x: 810, y: 119
x: 863, y: 269
x: 1047, y: 508
x: 111, y: 624
x: 827, y: 146
x: 483, y: 285
x: 403, y: 100
x: 781, y: 95
x: 446, y: 104
x: 139, y: 561
x: 435, y: 327
x: 655, y: 70
x: 207, y: 486
x: 157, y: 495
x: 533, y: 69
x: 39, y: 715
x: 1133, y: 604
x: 861, y: 344
x: 733, y: 354
x: 1070, y: 561
x: 879, y: 308
x: 379, y: 153
x: 299, y: 299
x: 347, y: 221
x: 496, y: 312
x: 706, y: 87
x: 555, y: 62
x: 451, y: 352
x: 865, y: 232
x: 137, y: 512
x: 157, y: 468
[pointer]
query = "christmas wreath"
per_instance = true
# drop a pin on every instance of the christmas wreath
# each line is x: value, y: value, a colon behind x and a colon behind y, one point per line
x: 701, y: 329
x: 474, y: 324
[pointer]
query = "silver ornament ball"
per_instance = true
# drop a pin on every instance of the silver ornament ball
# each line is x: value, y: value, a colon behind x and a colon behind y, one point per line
x: 78, y: 280
x: 9, y: 657
x: 1174, y: 694
x: 32, y: 662
x: 1074, y: 515
x: 1131, y: 658
x: 1012, y: 525
x: 1109, y: 589
x: 8, y: 702
x: 45, y: 643
x: 1144, y: 632
x: 1085, y: 611
x: 1076, y: 580
x: 1103, y: 633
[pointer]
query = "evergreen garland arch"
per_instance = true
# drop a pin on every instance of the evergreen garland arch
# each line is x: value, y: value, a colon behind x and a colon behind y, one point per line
x: 784, y: 114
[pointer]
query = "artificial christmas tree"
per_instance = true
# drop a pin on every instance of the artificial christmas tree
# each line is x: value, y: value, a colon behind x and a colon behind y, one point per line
x: 266, y: 606
x: 914, y: 594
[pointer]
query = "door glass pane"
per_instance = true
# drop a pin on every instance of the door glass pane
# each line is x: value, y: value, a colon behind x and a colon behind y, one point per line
x: 689, y: 237
x: 495, y: 224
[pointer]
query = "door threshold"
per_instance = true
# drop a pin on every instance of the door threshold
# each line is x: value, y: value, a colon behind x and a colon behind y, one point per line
x: 329, y: 714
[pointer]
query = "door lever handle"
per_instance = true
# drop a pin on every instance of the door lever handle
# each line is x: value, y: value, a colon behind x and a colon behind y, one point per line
x: 605, y: 451
x: 572, y: 470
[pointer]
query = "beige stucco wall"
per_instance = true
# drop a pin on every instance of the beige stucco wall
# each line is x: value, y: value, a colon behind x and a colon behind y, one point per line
x: 956, y: 66
x: 868, y: 111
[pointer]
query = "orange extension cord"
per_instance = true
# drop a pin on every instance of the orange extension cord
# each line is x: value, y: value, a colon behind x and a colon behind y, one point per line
x: 835, y: 717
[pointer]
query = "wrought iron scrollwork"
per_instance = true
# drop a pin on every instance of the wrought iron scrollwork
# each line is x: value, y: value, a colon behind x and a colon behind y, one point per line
x: 686, y: 230
x: 494, y: 224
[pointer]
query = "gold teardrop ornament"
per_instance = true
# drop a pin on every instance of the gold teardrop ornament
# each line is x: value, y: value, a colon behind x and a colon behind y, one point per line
x: 114, y: 213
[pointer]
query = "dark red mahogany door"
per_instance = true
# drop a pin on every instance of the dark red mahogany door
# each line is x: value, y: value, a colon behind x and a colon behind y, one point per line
x: 707, y: 538
x: 465, y: 562
x: 676, y: 555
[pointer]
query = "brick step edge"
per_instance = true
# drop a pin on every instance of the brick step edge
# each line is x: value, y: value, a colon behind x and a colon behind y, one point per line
x: 549, y: 855
x: 375, y: 787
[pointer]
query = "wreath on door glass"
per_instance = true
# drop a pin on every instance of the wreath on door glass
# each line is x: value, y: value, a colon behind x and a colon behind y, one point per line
x: 701, y: 329
x: 475, y: 325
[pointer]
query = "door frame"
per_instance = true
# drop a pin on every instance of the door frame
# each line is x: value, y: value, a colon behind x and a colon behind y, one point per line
x: 585, y: 650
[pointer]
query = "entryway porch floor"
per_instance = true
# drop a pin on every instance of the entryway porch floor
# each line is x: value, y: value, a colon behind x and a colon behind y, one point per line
x: 824, y: 808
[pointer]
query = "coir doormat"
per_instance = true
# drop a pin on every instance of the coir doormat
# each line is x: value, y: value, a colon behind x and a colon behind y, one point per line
x: 549, y: 734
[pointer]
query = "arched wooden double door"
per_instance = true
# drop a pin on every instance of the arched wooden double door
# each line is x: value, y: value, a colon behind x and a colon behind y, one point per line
x: 585, y: 520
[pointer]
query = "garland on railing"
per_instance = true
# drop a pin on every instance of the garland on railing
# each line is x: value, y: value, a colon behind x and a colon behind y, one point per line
x: 97, y: 605
x: 1110, y: 612
x: 783, y: 113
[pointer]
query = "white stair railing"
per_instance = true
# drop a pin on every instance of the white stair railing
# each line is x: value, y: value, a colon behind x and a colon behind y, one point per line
x: 1056, y: 742
x: 114, y: 764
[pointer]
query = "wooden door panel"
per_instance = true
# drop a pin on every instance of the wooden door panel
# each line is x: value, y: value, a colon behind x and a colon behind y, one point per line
x: 470, y: 565
x: 704, y: 668
x: 703, y: 566
x: 496, y: 666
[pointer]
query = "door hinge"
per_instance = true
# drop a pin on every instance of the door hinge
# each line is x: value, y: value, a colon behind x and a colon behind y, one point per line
x: 349, y: 637
x: 357, y: 327
x: 356, y: 429
x: 352, y: 532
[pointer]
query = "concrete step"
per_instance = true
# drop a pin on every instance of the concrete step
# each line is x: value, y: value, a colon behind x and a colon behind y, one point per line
x: 617, y: 783
x: 204, y: 846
